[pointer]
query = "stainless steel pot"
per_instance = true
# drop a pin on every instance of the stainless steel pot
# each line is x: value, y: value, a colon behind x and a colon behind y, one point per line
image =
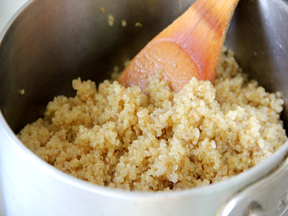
x: 50, y: 42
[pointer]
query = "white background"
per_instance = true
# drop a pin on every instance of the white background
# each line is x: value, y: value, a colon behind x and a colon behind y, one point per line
x: 7, y: 9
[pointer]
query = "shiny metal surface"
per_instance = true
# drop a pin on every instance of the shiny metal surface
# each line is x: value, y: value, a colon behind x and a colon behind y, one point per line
x: 259, y: 37
x: 269, y: 196
x: 52, y: 42
x: 66, y: 39
x: 7, y: 10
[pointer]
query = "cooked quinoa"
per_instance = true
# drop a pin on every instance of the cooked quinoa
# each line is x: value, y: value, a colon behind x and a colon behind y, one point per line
x: 121, y: 138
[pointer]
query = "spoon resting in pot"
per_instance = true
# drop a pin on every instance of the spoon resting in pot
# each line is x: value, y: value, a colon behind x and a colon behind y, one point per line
x: 189, y: 47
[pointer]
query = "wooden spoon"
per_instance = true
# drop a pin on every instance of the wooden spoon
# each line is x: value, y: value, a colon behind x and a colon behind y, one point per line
x: 189, y: 47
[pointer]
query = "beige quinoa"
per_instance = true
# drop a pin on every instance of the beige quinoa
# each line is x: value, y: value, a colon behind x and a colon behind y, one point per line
x: 121, y: 138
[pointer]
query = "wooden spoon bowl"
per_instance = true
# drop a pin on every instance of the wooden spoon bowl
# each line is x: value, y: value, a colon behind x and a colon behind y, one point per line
x: 189, y: 47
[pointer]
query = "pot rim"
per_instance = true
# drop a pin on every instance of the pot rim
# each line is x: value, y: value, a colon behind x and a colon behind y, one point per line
x: 249, y: 176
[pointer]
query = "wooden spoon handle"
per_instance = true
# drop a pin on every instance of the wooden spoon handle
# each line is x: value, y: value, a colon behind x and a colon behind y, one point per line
x: 190, y: 46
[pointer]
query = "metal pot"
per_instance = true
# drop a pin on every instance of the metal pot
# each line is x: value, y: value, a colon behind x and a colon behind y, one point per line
x: 50, y: 42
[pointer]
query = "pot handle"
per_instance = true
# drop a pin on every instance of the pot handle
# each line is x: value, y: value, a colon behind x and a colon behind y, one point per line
x: 266, y: 197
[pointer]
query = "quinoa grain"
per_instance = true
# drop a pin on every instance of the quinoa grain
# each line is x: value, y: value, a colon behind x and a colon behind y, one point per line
x: 121, y: 138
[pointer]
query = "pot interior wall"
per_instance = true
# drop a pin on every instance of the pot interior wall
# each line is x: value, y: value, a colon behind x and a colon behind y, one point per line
x: 53, y: 42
